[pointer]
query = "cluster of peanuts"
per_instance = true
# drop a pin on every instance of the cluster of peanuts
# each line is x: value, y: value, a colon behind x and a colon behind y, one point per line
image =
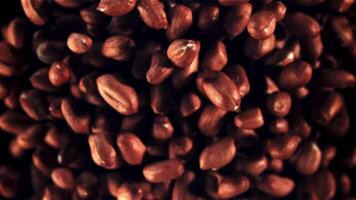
x: 178, y: 99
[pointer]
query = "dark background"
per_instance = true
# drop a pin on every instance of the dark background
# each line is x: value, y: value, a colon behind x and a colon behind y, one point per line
x: 12, y: 8
x: 9, y: 9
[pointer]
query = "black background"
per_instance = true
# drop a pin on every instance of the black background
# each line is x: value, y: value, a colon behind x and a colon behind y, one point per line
x: 12, y: 8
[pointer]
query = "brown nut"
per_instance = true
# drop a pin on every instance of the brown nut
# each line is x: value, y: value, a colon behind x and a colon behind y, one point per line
x: 216, y: 57
x: 86, y: 184
x: 327, y: 107
x: 342, y: 5
x: 237, y: 18
x: 278, y: 8
x: 119, y: 48
x: 250, y: 119
x: 119, y: 95
x: 35, y: 11
x: 283, y: 146
x: 63, y: 178
x: 279, y: 104
x: 256, y: 49
x: 226, y: 187
x: 17, y: 33
x: 79, y: 43
x: 208, y: 18
x: 131, y: 148
x: 181, y: 189
x: 160, y: 68
x: 341, y: 30
x: 14, y: 122
x: 163, y: 171
x: 322, y: 184
x: 77, y: 119
x: 162, y: 128
x: 211, y: 120
x: 59, y: 74
x: 129, y: 191
x: 337, y: 78
x: 161, y: 99
x: 70, y: 3
x: 183, y: 52
x: 251, y: 165
x: 279, y: 126
x: 301, y: 25
x: 181, y: 22
x: 153, y: 14
x: 103, y: 152
x: 308, y: 159
x: 276, y: 186
x: 34, y: 104
x: 232, y: 2
x: 189, y: 104
x: 217, y: 154
x: 262, y: 25
x: 116, y: 7
x: 219, y: 89
x: 238, y: 75
x: 295, y: 75
x: 180, y: 147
